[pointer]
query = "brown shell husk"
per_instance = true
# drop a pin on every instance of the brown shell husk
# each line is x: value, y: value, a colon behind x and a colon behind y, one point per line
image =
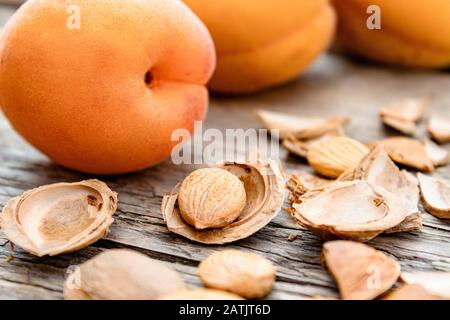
x: 355, y: 210
x: 378, y: 168
x: 361, y: 272
x: 436, y: 195
x: 59, y: 218
x: 243, y: 273
x: 402, y: 115
x: 121, y: 274
x: 435, y: 283
x: 201, y: 294
x: 408, y: 152
x: 302, y: 128
x: 300, y: 183
x: 301, y: 147
x: 438, y: 155
x: 264, y: 185
x: 439, y: 128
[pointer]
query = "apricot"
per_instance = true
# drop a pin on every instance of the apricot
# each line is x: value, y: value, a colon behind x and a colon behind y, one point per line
x: 263, y: 43
x: 413, y: 33
x: 104, y: 97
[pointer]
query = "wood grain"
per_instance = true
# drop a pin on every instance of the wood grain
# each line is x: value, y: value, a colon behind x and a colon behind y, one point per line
x: 334, y: 86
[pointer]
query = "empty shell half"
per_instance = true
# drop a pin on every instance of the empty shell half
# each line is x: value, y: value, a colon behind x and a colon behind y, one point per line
x: 263, y: 182
x: 121, y: 274
x: 356, y: 210
x: 361, y: 272
x: 59, y: 218
x: 379, y: 169
x: 435, y: 195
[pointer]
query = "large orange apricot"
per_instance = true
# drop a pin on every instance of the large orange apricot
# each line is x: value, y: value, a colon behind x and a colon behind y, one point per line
x: 413, y: 33
x: 104, y: 98
x: 263, y: 43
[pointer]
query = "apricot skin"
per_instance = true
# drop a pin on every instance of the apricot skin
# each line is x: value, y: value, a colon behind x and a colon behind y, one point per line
x: 413, y: 33
x: 262, y: 43
x: 80, y: 95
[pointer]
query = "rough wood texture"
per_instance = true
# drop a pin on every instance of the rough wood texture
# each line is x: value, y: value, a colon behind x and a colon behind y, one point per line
x: 334, y: 86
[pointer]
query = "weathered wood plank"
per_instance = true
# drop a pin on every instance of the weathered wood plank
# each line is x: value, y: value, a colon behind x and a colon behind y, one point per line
x: 334, y: 86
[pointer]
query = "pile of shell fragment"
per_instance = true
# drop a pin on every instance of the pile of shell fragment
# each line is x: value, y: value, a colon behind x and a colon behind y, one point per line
x: 358, y: 191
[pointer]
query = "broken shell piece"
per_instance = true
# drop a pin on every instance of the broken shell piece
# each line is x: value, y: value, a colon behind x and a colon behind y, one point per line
x: 333, y: 156
x: 406, y: 127
x: 438, y: 155
x: 378, y: 168
x: 411, y: 292
x: 201, y: 294
x: 408, y: 152
x: 264, y: 186
x: 361, y: 272
x: 436, y: 283
x: 59, y: 218
x: 403, y: 114
x: 211, y: 198
x: 246, y: 274
x: 300, y: 127
x: 355, y: 210
x: 301, y: 147
x: 302, y: 182
x: 439, y: 129
x: 121, y: 274
x: 435, y: 195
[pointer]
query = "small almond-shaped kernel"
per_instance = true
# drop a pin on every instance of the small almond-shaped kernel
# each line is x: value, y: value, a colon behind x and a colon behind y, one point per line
x: 333, y: 156
x: 435, y: 195
x: 201, y: 294
x: 408, y: 152
x: 439, y: 129
x: 211, y: 198
x: 361, y: 272
x: 246, y: 274
x: 121, y: 274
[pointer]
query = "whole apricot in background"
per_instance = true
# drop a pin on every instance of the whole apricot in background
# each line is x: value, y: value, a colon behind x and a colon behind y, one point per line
x: 264, y: 43
x: 104, y: 96
x: 412, y: 32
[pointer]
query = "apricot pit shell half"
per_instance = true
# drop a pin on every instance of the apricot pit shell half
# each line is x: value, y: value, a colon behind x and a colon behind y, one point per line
x: 59, y: 218
x: 264, y: 186
x: 355, y: 210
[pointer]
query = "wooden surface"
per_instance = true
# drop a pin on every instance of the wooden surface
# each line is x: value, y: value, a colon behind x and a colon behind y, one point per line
x: 334, y: 86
